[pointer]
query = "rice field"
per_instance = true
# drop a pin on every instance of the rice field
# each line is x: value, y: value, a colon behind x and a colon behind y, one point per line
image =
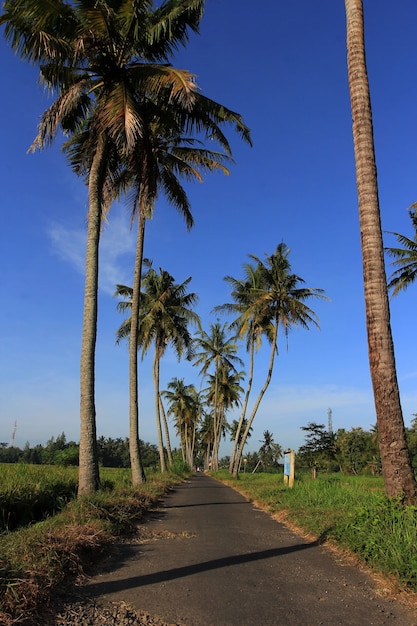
x: 30, y: 493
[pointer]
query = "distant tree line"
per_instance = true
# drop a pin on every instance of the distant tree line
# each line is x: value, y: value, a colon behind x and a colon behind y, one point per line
x: 59, y: 451
x: 354, y: 451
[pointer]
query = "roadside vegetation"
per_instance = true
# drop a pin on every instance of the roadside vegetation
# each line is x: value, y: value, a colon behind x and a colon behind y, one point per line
x: 352, y: 512
x: 49, y: 538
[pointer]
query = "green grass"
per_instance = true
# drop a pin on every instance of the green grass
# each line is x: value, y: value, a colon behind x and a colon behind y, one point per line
x: 351, y: 511
x: 30, y: 493
x: 38, y: 559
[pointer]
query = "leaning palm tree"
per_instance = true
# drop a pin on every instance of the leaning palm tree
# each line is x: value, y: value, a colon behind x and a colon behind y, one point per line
x: 164, y: 319
x: 218, y: 350
x: 244, y: 292
x: 277, y: 301
x: 405, y: 258
x: 100, y: 58
x: 396, y: 464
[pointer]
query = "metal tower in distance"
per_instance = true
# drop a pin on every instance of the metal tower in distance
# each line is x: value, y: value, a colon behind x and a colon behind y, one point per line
x: 330, y: 425
x: 13, y: 435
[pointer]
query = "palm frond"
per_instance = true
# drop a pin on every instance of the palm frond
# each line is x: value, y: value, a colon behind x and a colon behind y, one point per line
x: 405, y: 258
x: 171, y: 23
x: 66, y: 111
x: 36, y: 34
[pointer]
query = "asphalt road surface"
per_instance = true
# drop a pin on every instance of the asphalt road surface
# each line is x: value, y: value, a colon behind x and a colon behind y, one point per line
x: 209, y: 557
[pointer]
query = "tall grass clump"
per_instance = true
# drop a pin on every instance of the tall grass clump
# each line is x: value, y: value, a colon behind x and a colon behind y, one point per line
x: 384, y: 534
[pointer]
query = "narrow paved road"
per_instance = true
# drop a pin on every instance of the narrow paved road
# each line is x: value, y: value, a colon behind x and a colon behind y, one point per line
x: 212, y: 558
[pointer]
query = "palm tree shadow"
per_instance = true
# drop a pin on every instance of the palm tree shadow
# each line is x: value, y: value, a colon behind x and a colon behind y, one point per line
x: 197, y: 504
x: 108, y: 587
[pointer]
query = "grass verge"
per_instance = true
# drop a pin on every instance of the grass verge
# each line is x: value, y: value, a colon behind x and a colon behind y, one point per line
x: 350, y: 512
x: 37, y: 560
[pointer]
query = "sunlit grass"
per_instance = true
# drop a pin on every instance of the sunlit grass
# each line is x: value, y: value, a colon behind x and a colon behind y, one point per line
x: 36, y: 559
x: 351, y: 511
x: 29, y: 493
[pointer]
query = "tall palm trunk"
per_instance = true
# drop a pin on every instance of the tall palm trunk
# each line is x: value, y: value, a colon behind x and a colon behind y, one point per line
x: 221, y: 419
x: 182, y: 444
x: 216, y: 419
x: 239, y: 453
x: 138, y: 474
x: 187, y: 445
x: 156, y: 367
x: 244, y: 408
x: 207, y: 456
x: 396, y: 466
x: 166, y: 430
x: 89, y: 478
x: 193, y: 443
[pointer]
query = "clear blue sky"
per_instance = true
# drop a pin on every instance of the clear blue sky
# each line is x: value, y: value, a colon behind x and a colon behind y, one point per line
x: 282, y: 65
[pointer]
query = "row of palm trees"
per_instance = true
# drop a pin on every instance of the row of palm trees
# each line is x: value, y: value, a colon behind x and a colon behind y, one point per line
x: 268, y: 288
x: 134, y: 125
x: 268, y: 297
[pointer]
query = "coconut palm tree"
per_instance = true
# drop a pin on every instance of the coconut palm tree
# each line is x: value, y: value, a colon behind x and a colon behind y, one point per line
x: 277, y: 301
x: 185, y: 406
x: 218, y: 350
x: 101, y: 58
x: 155, y: 165
x: 223, y: 394
x: 164, y: 319
x: 405, y: 258
x: 270, y: 452
x: 396, y: 465
x: 178, y: 396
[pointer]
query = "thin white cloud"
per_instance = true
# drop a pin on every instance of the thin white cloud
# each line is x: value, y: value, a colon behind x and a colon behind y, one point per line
x: 69, y: 245
x: 117, y: 242
x: 287, y: 407
x: 310, y: 398
x: 293, y: 406
x: 117, y: 251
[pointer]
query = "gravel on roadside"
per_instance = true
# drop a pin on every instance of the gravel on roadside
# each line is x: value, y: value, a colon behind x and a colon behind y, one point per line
x: 88, y: 613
